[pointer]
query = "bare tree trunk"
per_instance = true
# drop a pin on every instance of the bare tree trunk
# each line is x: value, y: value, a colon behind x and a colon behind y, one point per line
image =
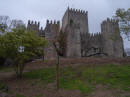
x: 57, y: 72
x: 57, y: 65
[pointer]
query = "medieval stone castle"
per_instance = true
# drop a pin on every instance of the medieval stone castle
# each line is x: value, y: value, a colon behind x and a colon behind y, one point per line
x: 78, y: 41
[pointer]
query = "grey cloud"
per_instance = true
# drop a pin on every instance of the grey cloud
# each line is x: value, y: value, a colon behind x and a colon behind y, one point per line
x: 41, y: 10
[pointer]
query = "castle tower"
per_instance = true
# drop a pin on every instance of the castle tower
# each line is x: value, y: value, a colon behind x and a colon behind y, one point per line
x: 78, y: 17
x: 73, y: 41
x: 51, y: 31
x: 74, y: 24
x: 34, y: 26
x: 112, y: 41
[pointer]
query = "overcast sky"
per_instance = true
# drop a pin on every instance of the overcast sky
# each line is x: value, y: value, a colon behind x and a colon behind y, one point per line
x: 41, y: 10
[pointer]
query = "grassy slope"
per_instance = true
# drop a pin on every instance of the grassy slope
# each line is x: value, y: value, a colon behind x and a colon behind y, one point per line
x: 85, y: 78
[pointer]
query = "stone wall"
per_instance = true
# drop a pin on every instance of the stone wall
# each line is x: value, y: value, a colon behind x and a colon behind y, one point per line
x: 112, y: 41
x: 35, y: 26
x: 74, y: 23
x: 51, y: 32
x: 91, y: 44
x: 77, y: 17
x: 73, y: 41
x: 78, y: 41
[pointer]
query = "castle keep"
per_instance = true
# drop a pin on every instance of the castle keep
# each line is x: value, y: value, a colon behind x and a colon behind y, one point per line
x: 78, y: 41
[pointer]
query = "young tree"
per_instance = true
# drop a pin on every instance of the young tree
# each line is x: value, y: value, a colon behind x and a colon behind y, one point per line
x: 10, y: 43
x: 58, y: 43
x: 62, y: 43
x: 124, y: 19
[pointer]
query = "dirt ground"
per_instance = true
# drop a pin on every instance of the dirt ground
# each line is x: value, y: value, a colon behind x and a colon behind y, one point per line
x: 25, y: 87
x: 77, y: 61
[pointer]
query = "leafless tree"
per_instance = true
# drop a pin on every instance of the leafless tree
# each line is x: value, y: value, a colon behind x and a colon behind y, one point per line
x: 16, y: 24
x: 57, y: 45
x: 6, y: 24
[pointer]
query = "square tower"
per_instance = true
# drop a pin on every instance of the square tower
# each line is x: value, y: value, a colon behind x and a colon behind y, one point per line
x: 78, y: 17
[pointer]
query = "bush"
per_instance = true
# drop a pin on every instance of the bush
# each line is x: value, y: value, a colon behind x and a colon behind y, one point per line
x: 11, y: 42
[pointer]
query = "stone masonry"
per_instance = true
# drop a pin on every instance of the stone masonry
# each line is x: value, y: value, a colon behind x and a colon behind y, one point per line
x: 112, y: 41
x: 78, y: 41
x: 51, y: 32
x: 73, y: 47
x: 35, y: 26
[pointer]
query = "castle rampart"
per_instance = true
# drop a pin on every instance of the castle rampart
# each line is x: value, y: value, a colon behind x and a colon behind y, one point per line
x: 78, y: 41
x: 52, y: 30
x: 113, y: 43
x: 77, y: 17
x: 35, y: 26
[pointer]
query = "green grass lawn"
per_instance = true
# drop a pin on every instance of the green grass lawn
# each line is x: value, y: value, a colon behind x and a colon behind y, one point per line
x: 85, y: 78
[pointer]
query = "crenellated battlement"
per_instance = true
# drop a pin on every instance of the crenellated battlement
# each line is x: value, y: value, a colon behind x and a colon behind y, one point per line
x: 93, y: 35
x: 78, y: 41
x: 113, y: 44
x: 53, y: 22
x: 113, y: 21
x: 109, y: 26
x: 52, y: 30
x: 77, y: 11
x: 33, y: 23
x: 35, y: 26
